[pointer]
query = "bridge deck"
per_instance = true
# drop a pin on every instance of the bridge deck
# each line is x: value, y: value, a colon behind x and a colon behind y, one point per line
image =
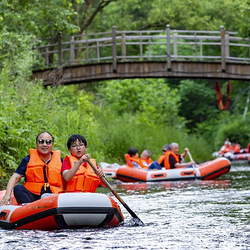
x: 157, y: 69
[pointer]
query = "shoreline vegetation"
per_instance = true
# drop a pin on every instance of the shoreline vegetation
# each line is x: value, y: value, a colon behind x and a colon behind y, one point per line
x: 114, y: 115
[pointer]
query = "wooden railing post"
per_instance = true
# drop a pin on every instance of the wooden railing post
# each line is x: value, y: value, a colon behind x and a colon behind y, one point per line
x: 168, y: 47
x: 60, y: 48
x: 141, y: 47
x: 72, y: 50
x: 227, y: 46
x: 123, y: 47
x: 223, y: 49
x: 175, y: 36
x: 195, y: 43
x: 47, y: 56
x: 114, y: 49
x: 98, y: 51
x: 201, y: 50
x: 87, y: 47
x: 149, y: 48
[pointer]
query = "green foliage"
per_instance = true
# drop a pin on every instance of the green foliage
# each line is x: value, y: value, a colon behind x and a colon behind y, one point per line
x: 226, y: 126
x: 119, y: 133
x: 43, y: 19
x: 243, y: 26
x: 198, y: 102
x: 180, y: 14
x: 152, y: 98
x: 27, y: 108
x: 144, y: 113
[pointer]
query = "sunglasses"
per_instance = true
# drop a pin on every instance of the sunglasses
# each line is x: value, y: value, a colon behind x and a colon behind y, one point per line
x: 41, y: 141
x: 164, y: 150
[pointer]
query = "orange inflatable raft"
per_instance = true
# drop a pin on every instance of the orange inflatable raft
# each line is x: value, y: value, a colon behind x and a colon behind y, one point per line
x: 205, y: 171
x: 237, y: 157
x: 61, y: 211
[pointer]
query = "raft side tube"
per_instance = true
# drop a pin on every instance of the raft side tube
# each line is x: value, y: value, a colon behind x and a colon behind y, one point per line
x: 69, y: 210
x: 207, y: 170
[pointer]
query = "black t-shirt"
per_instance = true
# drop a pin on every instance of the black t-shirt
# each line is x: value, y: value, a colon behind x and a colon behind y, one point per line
x: 172, y: 161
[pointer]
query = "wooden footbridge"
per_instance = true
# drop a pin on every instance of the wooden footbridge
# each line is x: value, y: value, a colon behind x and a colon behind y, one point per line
x: 144, y: 54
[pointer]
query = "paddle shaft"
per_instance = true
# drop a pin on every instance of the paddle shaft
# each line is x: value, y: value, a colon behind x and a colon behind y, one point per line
x: 191, y: 158
x: 114, y: 193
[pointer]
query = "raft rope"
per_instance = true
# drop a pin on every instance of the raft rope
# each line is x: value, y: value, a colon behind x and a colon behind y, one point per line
x: 219, y: 95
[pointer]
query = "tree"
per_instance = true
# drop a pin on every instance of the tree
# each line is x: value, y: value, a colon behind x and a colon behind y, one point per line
x: 198, y: 102
x: 244, y: 25
x: 87, y: 11
x: 43, y: 19
x: 152, y: 99
x: 180, y: 14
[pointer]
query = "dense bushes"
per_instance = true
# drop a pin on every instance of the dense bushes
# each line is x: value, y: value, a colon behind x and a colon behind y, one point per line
x: 27, y: 108
x: 143, y: 113
x: 227, y: 125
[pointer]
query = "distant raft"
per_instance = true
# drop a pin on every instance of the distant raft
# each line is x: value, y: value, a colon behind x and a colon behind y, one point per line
x: 62, y: 211
x: 238, y: 156
x: 205, y: 171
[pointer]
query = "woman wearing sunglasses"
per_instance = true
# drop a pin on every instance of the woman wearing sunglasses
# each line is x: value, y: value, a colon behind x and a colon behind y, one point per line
x: 41, y: 169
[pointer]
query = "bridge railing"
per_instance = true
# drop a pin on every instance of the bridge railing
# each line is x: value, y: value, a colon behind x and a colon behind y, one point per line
x: 169, y: 45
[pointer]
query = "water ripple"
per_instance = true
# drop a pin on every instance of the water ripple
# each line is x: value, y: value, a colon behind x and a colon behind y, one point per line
x: 177, y: 215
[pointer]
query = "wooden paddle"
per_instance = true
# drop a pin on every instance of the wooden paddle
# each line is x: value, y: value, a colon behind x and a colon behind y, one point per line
x: 191, y: 158
x: 116, y: 195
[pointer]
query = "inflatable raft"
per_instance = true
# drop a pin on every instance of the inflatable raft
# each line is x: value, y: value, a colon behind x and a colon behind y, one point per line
x: 238, y: 157
x: 204, y: 171
x: 61, y: 211
x: 109, y: 169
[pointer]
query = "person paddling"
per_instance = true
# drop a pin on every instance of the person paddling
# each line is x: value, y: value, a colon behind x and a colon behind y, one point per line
x: 41, y: 169
x: 76, y: 171
x: 174, y: 160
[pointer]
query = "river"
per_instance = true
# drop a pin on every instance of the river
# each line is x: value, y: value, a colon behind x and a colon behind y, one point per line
x: 177, y: 215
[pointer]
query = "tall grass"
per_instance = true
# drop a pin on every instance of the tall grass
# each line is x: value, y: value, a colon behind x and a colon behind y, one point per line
x: 122, y: 132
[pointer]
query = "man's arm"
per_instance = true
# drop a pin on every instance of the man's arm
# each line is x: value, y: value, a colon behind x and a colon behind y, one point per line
x: 14, y: 179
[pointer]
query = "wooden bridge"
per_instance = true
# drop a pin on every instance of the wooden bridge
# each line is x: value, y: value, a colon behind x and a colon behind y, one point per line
x: 144, y: 54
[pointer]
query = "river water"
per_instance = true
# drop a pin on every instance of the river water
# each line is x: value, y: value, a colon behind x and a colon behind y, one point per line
x: 177, y: 215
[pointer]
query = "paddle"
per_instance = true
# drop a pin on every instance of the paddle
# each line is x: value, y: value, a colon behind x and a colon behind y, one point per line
x: 116, y: 195
x: 191, y: 158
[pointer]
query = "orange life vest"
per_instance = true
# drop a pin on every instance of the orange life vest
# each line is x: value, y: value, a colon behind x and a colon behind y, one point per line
x: 248, y: 148
x: 224, y: 149
x: 130, y: 159
x: 84, y: 180
x: 36, y: 168
x: 237, y: 148
x: 165, y: 157
x: 137, y: 161
x: 146, y: 163
x: 162, y: 158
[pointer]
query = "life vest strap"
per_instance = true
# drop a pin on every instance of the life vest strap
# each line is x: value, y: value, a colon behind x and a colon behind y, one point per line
x: 45, y: 186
